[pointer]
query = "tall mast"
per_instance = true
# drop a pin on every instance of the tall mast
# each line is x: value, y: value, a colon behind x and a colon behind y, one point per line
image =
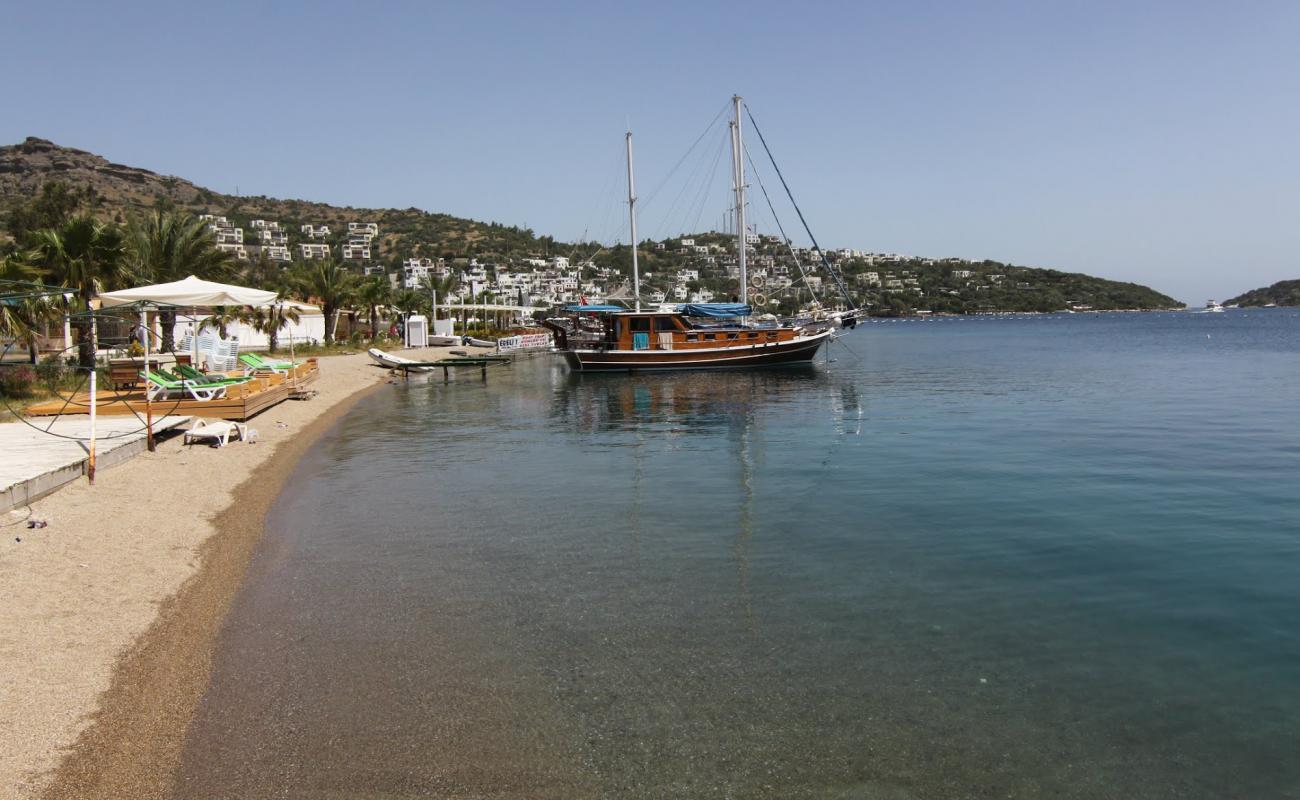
x: 738, y: 157
x: 631, y: 214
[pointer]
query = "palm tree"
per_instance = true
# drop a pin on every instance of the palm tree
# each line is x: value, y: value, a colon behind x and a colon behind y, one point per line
x: 329, y: 284
x: 29, y: 304
x: 272, y: 276
x: 87, y: 256
x: 374, y: 293
x: 411, y: 301
x: 168, y: 246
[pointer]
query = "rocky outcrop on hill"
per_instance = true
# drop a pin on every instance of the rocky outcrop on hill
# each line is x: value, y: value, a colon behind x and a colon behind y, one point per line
x: 27, y: 166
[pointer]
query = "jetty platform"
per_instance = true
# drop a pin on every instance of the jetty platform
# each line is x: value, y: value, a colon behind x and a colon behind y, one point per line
x: 36, y: 461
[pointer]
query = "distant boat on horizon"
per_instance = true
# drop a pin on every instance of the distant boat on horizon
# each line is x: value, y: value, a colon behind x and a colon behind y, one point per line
x: 1212, y: 307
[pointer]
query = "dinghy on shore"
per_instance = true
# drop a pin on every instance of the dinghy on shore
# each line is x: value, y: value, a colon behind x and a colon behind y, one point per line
x: 393, y: 362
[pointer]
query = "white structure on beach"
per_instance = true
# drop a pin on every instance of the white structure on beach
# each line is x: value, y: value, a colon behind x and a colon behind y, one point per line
x: 309, y: 329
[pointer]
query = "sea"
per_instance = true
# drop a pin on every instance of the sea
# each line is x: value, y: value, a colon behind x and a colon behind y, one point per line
x: 961, y: 557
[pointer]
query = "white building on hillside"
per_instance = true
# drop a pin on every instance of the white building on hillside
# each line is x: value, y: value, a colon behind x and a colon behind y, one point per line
x: 311, y: 251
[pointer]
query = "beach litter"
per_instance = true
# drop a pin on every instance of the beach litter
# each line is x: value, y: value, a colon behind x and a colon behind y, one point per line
x: 37, y: 523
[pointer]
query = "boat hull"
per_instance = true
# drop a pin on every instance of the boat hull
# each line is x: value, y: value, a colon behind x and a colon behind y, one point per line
x: 776, y: 354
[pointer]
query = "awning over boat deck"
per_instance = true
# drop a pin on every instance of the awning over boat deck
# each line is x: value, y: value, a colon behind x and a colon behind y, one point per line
x: 594, y: 309
x: 715, y: 310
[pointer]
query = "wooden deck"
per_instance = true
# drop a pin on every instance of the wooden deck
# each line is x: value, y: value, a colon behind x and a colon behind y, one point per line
x: 38, y: 460
x: 240, y: 403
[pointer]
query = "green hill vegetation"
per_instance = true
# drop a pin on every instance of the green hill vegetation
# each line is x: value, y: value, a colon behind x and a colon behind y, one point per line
x: 115, y: 192
x: 44, y: 185
x: 1282, y: 293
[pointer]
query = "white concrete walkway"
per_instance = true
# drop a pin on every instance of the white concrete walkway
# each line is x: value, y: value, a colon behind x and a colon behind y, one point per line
x: 34, y: 463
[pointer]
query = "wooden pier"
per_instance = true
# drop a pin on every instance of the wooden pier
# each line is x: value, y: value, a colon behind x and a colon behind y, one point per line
x: 448, y: 364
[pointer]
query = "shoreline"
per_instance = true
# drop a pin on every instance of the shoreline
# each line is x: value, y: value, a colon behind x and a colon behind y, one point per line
x: 115, y: 608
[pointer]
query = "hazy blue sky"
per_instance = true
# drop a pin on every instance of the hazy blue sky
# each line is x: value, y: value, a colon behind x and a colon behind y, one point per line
x: 1154, y: 142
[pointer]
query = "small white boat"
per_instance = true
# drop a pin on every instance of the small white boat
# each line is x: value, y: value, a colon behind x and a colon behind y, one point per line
x: 1212, y: 307
x: 393, y: 362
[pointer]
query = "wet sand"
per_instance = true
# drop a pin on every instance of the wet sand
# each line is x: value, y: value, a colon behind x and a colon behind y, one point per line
x: 111, y: 611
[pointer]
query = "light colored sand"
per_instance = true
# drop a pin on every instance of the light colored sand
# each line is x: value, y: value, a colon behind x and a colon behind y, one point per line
x: 76, y: 594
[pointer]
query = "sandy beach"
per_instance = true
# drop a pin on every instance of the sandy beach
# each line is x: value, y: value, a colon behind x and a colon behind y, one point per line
x: 110, y: 612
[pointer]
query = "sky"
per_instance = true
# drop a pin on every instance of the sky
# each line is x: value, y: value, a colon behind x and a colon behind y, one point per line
x: 1154, y: 142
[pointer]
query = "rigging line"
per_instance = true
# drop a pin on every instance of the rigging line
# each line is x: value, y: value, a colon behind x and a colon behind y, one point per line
x: 784, y: 238
x: 669, y: 217
x: 839, y: 281
x: 703, y: 198
x: 610, y: 203
x: 654, y: 192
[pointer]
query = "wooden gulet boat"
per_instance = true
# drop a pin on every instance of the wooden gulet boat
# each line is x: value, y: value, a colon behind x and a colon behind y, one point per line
x: 692, y: 336
x: 658, y: 340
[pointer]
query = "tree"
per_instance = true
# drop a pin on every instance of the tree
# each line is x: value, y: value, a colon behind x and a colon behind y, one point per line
x: 270, y: 319
x: 374, y: 293
x: 264, y: 273
x: 87, y: 256
x: 329, y: 284
x: 29, y: 304
x: 54, y: 206
x: 166, y: 246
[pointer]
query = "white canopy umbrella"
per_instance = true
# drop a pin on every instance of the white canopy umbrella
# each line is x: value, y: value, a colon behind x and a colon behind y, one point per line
x: 191, y: 292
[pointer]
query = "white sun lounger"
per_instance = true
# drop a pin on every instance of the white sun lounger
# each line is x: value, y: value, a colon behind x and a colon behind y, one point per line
x: 219, y: 430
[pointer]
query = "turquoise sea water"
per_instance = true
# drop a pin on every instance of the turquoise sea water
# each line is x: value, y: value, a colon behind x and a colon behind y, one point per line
x: 986, y: 557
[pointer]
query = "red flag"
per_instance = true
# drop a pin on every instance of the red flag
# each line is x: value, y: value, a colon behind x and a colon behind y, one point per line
x: 584, y: 300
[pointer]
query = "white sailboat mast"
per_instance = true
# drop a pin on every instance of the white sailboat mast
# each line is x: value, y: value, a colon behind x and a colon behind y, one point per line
x: 631, y: 214
x: 738, y: 158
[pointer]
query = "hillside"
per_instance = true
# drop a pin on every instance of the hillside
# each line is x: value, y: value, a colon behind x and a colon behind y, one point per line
x: 115, y: 190
x: 1282, y: 293
x: 884, y: 283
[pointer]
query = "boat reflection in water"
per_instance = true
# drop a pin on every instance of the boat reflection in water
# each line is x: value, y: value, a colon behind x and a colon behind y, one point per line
x: 686, y: 402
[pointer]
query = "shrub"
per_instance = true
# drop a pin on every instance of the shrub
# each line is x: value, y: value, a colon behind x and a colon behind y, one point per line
x: 51, y: 370
x: 17, y: 381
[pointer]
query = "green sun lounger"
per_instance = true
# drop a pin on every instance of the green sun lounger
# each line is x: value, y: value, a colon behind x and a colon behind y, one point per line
x: 190, y: 373
x: 157, y: 387
x: 256, y: 362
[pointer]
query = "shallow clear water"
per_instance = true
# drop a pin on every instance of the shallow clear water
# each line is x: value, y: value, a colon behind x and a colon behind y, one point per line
x: 1003, y: 557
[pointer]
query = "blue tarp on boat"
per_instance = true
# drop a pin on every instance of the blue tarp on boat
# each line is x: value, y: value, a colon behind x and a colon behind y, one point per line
x: 595, y: 309
x: 715, y: 310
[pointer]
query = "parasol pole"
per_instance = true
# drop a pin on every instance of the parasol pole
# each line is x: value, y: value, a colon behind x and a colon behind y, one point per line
x: 292, y: 358
x: 94, y: 346
x: 148, y: 405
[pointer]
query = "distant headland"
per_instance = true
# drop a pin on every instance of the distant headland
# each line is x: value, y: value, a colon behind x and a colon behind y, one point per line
x: 1282, y: 293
